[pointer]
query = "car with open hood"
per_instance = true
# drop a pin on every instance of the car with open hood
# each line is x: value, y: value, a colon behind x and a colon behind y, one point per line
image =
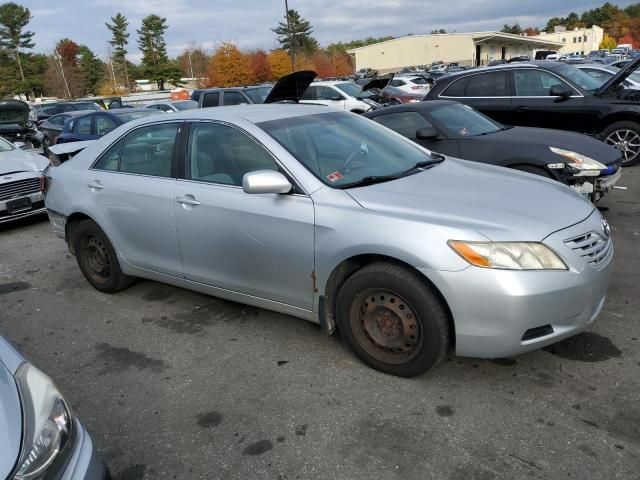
x: 40, y: 436
x: 332, y: 218
x: 21, y: 182
x: 16, y: 125
x: 552, y: 95
x: 340, y: 95
x: 455, y: 129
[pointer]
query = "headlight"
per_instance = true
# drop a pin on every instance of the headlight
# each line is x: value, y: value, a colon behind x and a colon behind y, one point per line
x: 508, y: 255
x: 47, y: 423
x: 579, y: 161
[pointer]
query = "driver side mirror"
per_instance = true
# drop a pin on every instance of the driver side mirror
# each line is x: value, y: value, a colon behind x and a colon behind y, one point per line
x: 561, y: 91
x: 337, y: 98
x: 265, y: 181
x: 427, y: 133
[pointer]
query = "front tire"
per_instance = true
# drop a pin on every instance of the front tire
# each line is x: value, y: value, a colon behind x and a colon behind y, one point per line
x: 624, y: 136
x: 393, y: 320
x: 97, y: 258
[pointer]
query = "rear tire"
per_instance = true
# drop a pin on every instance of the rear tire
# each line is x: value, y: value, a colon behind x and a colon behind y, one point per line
x: 393, y: 320
x: 624, y: 136
x: 97, y: 258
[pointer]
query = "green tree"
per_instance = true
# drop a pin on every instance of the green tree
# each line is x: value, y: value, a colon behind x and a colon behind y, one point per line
x: 90, y: 69
x: 441, y: 30
x: 294, y: 35
x: 155, y: 61
x: 633, y: 10
x: 119, y: 41
x: 13, y: 36
x: 515, y: 28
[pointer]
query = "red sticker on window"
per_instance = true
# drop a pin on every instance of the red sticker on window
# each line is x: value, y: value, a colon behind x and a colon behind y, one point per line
x: 335, y: 176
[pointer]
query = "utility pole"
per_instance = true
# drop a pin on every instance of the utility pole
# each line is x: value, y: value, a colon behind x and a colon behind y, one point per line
x: 292, y: 52
x: 64, y: 78
x: 190, y: 64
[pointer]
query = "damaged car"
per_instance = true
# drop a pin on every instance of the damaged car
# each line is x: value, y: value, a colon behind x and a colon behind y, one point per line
x: 17, y: 127
x: 21, y: 182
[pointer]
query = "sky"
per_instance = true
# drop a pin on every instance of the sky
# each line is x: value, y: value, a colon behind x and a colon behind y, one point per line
x: 248, y: 23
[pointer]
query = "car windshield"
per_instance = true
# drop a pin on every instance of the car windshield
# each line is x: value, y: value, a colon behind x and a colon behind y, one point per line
x: 419, y: 80
x: 462, y: 120
x: 342, y: 149
x: 186, y: 105
x: 578, y: 77
x: 129, y: 116
x: 258, y: 95
x: 635, y: 76
x: 350, y: 88
x: 5, y: 146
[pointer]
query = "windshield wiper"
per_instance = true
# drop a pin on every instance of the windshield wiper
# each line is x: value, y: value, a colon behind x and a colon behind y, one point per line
x: 369, y: 180
x: 435, y: 159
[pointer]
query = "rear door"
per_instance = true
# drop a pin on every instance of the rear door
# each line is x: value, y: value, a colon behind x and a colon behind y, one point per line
x: 130, y: 193
x: 535, y: 107
x: 258, y: 245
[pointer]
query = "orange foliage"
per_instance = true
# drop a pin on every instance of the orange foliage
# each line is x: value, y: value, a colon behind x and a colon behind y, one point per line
x: 259, y: 67
x: 228, y: 67
x: 280, y: 63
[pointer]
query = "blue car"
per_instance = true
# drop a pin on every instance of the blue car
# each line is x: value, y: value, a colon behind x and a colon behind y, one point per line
x: 93, y: 125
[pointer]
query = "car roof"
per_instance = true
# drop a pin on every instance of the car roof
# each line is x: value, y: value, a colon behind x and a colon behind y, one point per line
x: 600, y: 66
x: 252, y: 113
x: 242, y: 87
x: 411, y: 107
x: 73, y: 113
x: 332, y: 82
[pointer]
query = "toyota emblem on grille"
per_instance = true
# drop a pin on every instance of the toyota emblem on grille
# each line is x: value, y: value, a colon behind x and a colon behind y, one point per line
x: 605, y: 227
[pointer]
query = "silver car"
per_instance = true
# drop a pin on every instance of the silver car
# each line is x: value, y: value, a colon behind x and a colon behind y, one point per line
x: 20, y: 182
x: 332, y: 218
x: 39, y: 435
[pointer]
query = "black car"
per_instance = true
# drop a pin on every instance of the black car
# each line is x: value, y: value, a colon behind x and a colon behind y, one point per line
x: 16, y: 126
x: 552, y: 95
x: 49, y: 110
x: 218, y: 97
x: 458, y: 130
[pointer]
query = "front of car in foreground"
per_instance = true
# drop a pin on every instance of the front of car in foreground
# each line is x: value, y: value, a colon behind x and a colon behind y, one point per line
x: 40, y: 437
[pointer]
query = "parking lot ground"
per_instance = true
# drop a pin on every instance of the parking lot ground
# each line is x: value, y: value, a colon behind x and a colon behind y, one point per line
x: 176, y: 385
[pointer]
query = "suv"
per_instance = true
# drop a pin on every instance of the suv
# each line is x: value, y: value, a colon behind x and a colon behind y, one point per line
x: 339, y: 95
x: 219, y: 97
x: 552, y: 95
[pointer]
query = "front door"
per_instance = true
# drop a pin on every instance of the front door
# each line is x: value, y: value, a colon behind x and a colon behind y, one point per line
x: 533, y: 105
x: 129, y: 192
x: 324, y: 95
x: 258, y: 245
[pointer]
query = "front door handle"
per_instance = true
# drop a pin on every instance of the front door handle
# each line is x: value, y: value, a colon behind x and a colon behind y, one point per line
x: 188, y: 200
x: 95, y: 185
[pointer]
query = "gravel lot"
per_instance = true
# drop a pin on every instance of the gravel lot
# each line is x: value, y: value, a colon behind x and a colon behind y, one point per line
x: 173, y: 384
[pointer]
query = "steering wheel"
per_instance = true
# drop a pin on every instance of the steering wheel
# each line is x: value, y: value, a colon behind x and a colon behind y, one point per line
x: 362, y: 150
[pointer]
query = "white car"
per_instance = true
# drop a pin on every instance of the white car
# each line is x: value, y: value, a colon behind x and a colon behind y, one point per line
x: 411, y: 83
x: 176, y: 106
x: 603, y: 73
x: 20, y: 182
x: 339, y: 95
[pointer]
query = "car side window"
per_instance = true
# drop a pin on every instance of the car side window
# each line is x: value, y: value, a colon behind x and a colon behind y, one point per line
x: 404, y: 123
x: 83, y: 125
x: 492, y: 84
x: 211, y: 99
x: 110, y: 160
x: 104, y: 125
x: 326, y: 93
x: 397, y: 83
x: 149, y: 150
x: 234, y: 98
x: 58, y: 119
x: 221, y: 154
x: 310, y: 93
x: 535, y: 83
x: 456, y: 89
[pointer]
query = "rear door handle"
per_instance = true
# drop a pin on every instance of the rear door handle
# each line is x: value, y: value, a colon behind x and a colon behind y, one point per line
x: 188, y: 200
x: 95, y: 185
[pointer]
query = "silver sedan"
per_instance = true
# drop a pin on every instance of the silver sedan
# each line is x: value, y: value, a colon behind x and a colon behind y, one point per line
x: 331, y: 218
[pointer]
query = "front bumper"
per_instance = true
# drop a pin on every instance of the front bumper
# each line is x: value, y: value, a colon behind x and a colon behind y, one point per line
x: 85, y: 464
x: 37, y: 207
x: 496, y: 311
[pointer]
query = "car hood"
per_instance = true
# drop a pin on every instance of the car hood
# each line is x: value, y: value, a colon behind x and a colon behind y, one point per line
x: 500, y: 203
x: 619, y: 77
x: 10, y: 410
x: 380, y: 83
x: 575, y: 142
x: 290, y: 88
x: 18, y: 160
x: 13, y: 112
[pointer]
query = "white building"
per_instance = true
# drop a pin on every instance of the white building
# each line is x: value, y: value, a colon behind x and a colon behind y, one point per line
x: 578, y: 40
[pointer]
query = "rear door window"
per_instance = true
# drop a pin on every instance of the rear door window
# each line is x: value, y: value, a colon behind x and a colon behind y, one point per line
x: 211, y: 99
x: 492, y: 84
x: 83, y: 125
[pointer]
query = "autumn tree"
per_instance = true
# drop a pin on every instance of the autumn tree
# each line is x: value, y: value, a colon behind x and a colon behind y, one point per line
x: 259, y: 66
x: 608, y: 42
x: 13, y: 37
x: 119, y: 41
x: 280, y: 63
x: 228, y: 67
x: 155, y: 62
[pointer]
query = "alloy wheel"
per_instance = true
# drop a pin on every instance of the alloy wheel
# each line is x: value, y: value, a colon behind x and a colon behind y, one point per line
x: 627, y: 142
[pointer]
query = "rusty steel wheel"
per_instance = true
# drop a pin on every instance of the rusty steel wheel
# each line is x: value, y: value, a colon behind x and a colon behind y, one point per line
x: 386, y: 326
